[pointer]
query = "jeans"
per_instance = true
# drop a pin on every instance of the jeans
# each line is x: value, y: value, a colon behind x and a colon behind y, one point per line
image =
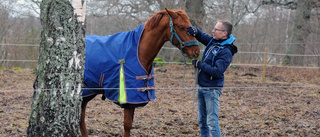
x: 208, y: 108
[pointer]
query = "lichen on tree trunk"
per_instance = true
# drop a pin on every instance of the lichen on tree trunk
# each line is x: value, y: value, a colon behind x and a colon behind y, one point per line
x: 56, y: 101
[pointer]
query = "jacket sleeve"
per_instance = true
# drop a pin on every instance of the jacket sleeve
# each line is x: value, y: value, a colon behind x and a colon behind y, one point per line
x: 204, y: 38
x: 220, y: 66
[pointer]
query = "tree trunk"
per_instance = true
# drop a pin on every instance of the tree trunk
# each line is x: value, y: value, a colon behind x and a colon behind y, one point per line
x: 301, y: 31
x: 56, y: 101
x: 196, y: 12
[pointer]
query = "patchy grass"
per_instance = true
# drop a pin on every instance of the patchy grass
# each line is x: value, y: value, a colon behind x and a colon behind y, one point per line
x: 287, y: 104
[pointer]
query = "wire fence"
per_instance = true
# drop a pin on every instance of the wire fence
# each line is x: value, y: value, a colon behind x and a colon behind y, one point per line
x: 189, y: 63
x: 251, y: 88
x: 240, y: 53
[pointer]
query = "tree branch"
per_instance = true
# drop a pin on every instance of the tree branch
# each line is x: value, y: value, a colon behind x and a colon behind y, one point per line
x: 283, y: 3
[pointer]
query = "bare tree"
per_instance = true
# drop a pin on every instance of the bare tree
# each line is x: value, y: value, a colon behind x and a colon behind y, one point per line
x: 6, y: 23
x: 56, y: 101
x: 271, y: 22
x: 28, y: 8
x: 245, y: 16
x: 233, y: 10
x: 301, y: 29
x: 123, y: 15
x: 261, y: 24
x: 196, y: 12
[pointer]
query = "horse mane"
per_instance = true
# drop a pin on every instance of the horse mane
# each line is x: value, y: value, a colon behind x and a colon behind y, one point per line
x: 156, y: 18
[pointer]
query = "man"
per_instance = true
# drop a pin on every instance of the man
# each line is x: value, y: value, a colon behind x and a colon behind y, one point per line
x: 215, y: 60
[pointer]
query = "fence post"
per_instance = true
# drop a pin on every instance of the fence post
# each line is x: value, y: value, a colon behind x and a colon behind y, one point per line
x: 264, y: 65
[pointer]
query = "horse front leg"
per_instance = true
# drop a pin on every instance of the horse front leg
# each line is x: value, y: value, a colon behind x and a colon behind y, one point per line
x: 128, y: 119
x: 83, y: 127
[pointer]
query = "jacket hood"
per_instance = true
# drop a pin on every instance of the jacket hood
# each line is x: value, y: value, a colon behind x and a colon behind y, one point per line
x: 232, y: 48
x: 228, y: 43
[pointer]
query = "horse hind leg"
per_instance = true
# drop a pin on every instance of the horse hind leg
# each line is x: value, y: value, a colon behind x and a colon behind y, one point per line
x: 83, y: 127
x: 128, y: 120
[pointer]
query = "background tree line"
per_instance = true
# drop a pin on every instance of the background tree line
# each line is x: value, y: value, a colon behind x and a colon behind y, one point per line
x: 289, y: 27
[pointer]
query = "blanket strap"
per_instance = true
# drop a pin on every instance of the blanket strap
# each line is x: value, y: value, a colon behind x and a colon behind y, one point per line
x: 145, y: 79
x: 103, y: 97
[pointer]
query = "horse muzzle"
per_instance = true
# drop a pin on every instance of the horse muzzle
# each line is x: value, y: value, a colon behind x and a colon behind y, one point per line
x: 191, y: 48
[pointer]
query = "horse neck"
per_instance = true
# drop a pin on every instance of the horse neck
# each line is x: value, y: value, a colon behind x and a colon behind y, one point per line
x: 150, y: 44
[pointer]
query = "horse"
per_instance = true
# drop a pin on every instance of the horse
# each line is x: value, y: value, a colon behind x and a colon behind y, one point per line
x: 167, y: 25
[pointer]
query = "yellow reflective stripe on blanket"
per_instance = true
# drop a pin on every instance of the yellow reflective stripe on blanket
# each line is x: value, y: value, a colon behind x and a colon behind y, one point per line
x: 122, y: 89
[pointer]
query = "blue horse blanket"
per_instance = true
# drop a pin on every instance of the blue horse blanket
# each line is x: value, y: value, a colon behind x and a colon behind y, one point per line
x: 112, y: 67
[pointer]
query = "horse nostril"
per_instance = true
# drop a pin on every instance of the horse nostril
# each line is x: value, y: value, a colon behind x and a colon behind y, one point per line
x: 195, y: 53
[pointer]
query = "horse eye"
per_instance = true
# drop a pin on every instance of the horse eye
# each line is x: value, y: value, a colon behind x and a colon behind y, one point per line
x: 181, y: 28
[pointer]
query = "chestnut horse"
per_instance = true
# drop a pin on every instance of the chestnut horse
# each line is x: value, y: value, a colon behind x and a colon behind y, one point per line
x: 163, y: 26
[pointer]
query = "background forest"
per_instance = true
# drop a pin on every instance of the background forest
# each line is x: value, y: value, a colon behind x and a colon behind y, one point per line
x: 286, y: 103
x: 289, y: 29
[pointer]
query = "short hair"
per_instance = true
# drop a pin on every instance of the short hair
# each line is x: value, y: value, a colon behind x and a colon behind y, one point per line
x: 227, y: 25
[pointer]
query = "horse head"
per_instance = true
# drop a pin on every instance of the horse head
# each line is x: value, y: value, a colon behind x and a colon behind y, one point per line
x: 177, y: 34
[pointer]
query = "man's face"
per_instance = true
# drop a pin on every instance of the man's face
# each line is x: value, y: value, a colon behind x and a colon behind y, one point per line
x: 219, y: 32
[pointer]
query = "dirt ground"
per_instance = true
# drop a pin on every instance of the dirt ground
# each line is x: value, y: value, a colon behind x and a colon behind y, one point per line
x: 287, y: 104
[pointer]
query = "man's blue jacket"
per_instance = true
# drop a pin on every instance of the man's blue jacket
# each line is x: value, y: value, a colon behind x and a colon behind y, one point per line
x: 216, y: 58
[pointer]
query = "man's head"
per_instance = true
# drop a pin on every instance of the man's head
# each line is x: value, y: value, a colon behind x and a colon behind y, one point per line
x: 222, y: 30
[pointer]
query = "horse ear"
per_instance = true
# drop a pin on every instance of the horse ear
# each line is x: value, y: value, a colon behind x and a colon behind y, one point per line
x: 171, y: 14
